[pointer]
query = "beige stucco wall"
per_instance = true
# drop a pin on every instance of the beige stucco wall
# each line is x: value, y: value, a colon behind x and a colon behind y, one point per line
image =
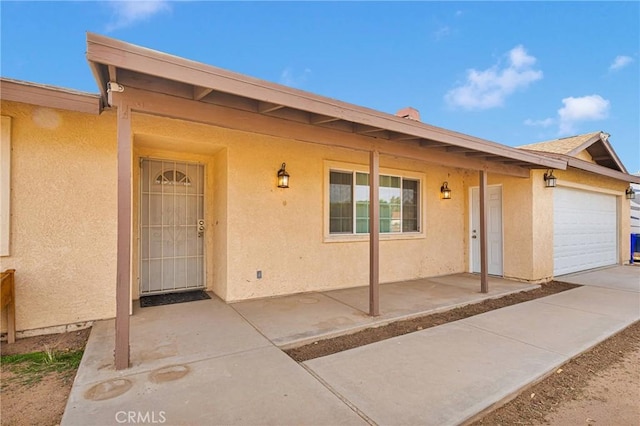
x: 63, y: 225
x: 63, y: 216
x: 286, y: 240
x: 527, y: 217
x: 257, y: 226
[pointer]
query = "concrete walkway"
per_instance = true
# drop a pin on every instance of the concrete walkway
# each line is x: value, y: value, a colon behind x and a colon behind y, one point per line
x: 446, y: 375
x: 202, y: 363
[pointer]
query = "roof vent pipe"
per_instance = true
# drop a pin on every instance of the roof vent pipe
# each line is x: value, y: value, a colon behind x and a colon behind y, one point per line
x: 410, y: 113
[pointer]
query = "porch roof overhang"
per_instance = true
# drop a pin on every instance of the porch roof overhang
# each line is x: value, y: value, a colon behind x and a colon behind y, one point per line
x: 162, y: 84
x: 49, y: 96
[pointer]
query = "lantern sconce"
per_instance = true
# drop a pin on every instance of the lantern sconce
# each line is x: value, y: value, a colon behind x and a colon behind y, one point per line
x: 283, y: 177
x: 445, y: 191
x: 630, y: 193
x: 550, y: 179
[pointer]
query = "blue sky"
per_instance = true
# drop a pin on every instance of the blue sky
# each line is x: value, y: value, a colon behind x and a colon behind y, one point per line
x: 510, y: 72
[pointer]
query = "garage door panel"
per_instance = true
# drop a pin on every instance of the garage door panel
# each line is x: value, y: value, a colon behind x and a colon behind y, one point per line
x: 585, y: 230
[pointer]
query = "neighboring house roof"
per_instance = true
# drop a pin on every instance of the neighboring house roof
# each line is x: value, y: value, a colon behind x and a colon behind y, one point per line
x: 49, y: 96
x: 596, y: 144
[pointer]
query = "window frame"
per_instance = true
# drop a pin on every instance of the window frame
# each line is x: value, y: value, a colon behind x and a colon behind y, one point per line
x: 354, y: 168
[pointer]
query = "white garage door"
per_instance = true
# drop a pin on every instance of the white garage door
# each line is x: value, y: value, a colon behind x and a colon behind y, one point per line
x: 584, y: 230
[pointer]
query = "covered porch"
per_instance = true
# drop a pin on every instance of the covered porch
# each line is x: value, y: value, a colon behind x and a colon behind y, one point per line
x: 137, y: 82
x: 298, y: 319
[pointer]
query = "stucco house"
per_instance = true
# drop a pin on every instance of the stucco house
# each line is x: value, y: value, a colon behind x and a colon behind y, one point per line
x: 170, y: 179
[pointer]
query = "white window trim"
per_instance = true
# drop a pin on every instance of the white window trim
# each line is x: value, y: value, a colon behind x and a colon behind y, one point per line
x: 5, y: 184
x: 341, y: 166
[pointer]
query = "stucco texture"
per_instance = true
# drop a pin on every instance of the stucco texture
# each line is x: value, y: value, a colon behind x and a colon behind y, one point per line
x: 63, y: 216
x: 255, y: 226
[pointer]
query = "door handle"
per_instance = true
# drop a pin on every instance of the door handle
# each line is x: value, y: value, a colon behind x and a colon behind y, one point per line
x: 474, y: 237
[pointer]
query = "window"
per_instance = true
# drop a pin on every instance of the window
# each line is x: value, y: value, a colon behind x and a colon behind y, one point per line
x: 173, y: 177
x: 349, y: 203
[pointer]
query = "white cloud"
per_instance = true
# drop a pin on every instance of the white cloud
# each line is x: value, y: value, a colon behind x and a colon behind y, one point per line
x: 129, y: 12
x: 586, y: 108
x: 442, y: 32
x: 489, y: 88
x: 289, y: 78
x: 547, y: 122
x: 619, y: 62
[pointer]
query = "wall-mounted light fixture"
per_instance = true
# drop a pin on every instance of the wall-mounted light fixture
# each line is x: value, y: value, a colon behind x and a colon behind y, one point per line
x: 283, y: 177
x: 550, y: 179
x: 445, y: 191
x: 630, y: 193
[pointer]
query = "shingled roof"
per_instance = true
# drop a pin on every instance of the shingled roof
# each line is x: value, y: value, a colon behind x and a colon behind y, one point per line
x: 595, y: 143
x: 563, y: 145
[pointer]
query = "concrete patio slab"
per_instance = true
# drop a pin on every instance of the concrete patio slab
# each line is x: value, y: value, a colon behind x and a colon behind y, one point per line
x: 299, y: 319
x: 258, y: 386
x: 440, y: 376
x: 197, y: 363
x: 190, y: 332
x: 616, y: 277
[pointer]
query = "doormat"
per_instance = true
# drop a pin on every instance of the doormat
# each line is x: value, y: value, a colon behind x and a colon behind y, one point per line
x: 171, y: 298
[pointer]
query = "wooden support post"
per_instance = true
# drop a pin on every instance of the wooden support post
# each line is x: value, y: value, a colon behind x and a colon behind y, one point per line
x: 484, y: 272
x: 374, y: 234
x: 9, y: 302
x: 124, y: 237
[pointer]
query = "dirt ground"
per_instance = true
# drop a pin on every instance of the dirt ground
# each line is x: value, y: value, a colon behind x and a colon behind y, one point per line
x: 41, y: 403
x: 599, y: 387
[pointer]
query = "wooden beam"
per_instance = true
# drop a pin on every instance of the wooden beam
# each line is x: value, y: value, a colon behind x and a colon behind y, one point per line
x: 200, y: 92
x: 484, y: 271
x: 459, y: 149
x: 123, y: 285
x: 321, y: 119
x: 266, y: 107
x: 113, y: 73
x: 363, y: 129
x: 374, y: 234
x: 201, y: 112
x: 403, y: 137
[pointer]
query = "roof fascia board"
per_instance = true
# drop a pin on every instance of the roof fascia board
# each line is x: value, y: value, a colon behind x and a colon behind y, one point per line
x: 163, y: 105
x: 109, y: 51
x: 584, y: 145
x: 601, y: 170
x: 49, y: 97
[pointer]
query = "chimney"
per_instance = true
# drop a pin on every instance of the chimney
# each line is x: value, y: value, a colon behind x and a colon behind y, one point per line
x: 410, y: 113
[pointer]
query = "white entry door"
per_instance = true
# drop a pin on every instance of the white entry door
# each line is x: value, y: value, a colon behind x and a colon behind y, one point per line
x: 171, y: 226
x: 585, y: 230
x: 494, y: 229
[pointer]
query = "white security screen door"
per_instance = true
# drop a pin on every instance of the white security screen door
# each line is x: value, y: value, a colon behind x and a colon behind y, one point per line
x: 494, y: 229
x: 171, y: 226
